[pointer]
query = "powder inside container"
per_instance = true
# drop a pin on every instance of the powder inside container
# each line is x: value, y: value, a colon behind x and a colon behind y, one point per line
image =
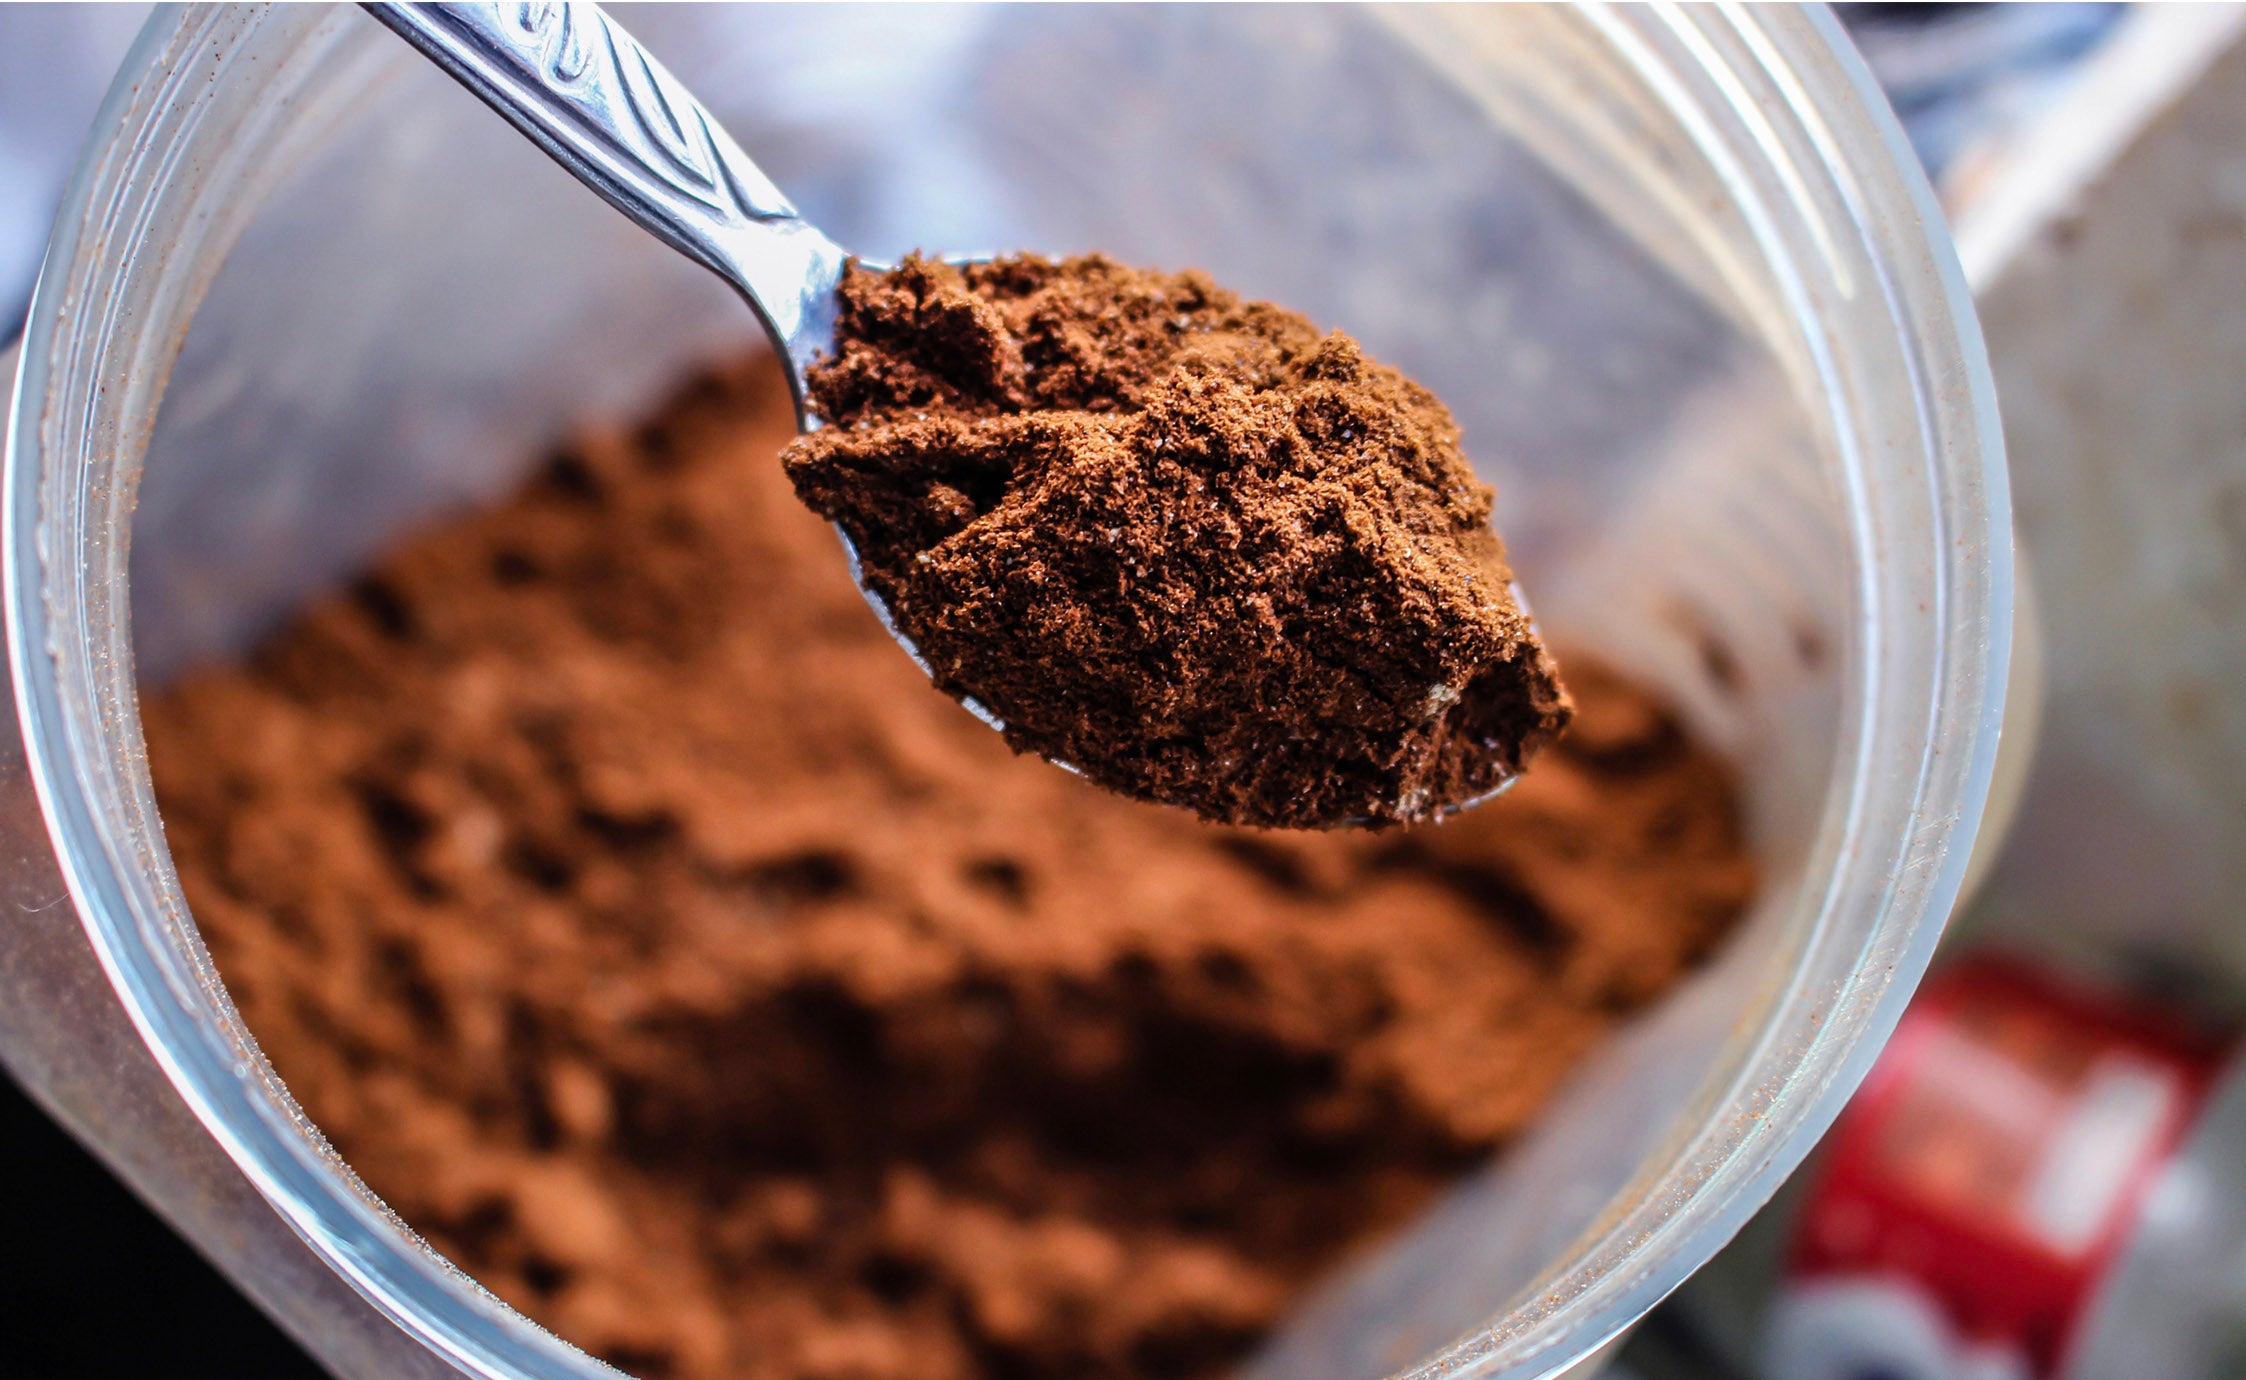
x: 1186, y: 543
x: 641, y: 925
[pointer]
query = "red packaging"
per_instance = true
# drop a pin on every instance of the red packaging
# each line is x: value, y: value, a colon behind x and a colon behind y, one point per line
x: 1983, y: 1183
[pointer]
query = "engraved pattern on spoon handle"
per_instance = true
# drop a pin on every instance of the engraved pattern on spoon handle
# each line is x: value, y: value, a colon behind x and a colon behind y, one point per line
x: 587, y: 93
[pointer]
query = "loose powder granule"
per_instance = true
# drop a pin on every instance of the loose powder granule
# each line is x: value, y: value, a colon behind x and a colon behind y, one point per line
x: 643, y: 928
x: 1185, y: 543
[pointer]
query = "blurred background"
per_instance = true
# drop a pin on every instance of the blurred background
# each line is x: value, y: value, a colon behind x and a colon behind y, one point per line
x: 2039, y: 1179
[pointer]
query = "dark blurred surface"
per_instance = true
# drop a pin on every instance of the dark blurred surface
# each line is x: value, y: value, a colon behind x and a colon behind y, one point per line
x: 94, y: 1286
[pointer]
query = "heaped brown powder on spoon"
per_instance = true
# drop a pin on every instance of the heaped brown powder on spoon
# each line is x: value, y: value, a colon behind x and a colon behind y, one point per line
x: 638, y: 922
x: 1186, y: 543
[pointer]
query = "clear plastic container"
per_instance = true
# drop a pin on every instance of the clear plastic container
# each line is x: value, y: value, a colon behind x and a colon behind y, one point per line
x: 1675, y: 270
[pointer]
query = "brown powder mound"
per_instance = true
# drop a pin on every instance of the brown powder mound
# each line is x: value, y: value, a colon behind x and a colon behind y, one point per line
x: 1188, y: 544
x: 638, y: 922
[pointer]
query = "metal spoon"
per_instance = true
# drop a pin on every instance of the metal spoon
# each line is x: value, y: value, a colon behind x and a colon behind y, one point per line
x: 599, y: 104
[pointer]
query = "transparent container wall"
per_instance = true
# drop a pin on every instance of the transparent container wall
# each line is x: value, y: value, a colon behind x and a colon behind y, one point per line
x: 418, y: 304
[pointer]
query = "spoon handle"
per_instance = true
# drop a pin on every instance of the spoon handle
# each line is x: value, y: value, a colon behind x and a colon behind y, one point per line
x: 586, y: 92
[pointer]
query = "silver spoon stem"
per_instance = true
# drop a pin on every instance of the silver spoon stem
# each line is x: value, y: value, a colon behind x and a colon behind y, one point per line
x: 586, y: 92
